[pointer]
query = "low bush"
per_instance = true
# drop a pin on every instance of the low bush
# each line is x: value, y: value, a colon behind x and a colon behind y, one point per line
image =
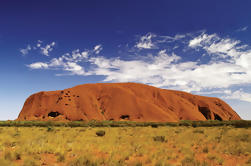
x: 199, y: 131
x: 112, y: 123
x: 205, y: 149
x: 100, y: 133
x: 154, y: 126
x: 220, y: 160
x: 18, y: 156
x: 159, y: 138
x: 49, y: 129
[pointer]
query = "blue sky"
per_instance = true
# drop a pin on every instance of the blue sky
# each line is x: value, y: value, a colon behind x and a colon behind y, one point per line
x: 202, y: 47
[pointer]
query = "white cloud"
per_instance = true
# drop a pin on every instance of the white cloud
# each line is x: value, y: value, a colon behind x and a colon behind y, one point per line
x: 202, y: 39
x: 165, y: 59
x: 165, y: 71
x: 48, y: 48
x: 74, y: 68
x: 84, y: 54
x: 242, y: 29
x: 228, y: 64
x: 214, y: 92
x: 170, y: 38
x: 221, y: 47
x: 26, y: 50
x: 229, y: 50
x: 97, y: 49
x: 146, y: 42
x: 179, y: 36
x: 39, y: 43
x: 240, y: 95
x: 225, y: 47
x: 38, y: 65
x: 67, y: 62
x: 38, y: 46
x: 76, y: 56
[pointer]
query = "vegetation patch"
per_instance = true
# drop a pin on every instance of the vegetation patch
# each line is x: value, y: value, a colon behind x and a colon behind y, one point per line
x: 112, y: 123
x: 98, y: 143
x: 100, y: 133
x: 159, y: 138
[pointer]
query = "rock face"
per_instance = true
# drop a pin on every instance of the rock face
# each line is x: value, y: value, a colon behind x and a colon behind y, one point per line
x: 123, y: 101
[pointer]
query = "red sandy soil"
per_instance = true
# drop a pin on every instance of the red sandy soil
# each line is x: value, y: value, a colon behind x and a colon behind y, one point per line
x: 123, y: 101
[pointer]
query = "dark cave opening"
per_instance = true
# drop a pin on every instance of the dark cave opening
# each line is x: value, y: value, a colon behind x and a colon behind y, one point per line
x: 217, y: 117
x: 205, y: 111
x: 126, y: 117
x: 54, y: 114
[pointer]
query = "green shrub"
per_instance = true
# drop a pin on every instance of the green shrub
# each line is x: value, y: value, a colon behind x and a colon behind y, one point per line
x: 82, y: 130
x: 205, y: 149
x: 185, y: 123
x: 198, y: 131
x: 49, y: 129
x: 244, y: 137
x: 159, y: 138
x: 94, y: 123
x: 100, y: 133
x: 154, y: 126
x: 195, y: 124
x: 241, y: 123
x: 220, y: 161
x: 18, y: 156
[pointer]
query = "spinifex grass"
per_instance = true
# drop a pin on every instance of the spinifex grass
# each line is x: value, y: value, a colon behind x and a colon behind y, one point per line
x: 224, y: 145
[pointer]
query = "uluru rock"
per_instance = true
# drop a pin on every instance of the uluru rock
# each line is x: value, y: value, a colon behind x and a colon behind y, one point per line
x: 124, y: 101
